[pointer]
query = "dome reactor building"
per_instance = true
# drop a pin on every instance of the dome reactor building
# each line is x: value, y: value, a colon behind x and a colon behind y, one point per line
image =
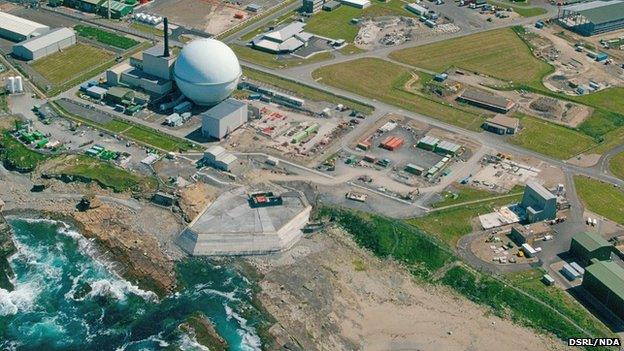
x: 206, y: 71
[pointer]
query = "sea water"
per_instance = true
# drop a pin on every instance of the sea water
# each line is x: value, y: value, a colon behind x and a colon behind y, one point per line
x: 67, y: 297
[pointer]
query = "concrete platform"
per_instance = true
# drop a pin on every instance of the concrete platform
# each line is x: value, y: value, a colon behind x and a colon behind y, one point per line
x: 231, y: 226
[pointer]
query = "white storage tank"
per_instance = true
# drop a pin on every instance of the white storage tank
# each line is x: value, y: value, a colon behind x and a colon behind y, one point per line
x: 19, y: 84
x: 10, y: 86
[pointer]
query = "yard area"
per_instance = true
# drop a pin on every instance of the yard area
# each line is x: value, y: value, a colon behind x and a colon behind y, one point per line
x: 15, y: 155
x: 272, y: 61
x: 601, y: 198
x: 385, y: 81
x: 105, y: 37
x: 550, y: 139
x: 524, y: 11
x: 499, y: 53
x: 62, y: 66
x: 303, y: 90
x: 450, y: 224
x: 459, y: 194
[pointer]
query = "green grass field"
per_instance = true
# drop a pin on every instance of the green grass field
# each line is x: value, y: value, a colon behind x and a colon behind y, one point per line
x: 385, y: 81
x: 147, y: 29
x: 450, y: 224
x: 550, y: 139
x: 105, y: 174
x: 351, y: 49
x: 601, y: 198
x: 16, y: 155
x: 461, y: 193
x: 62, y: 66
x: 499, y: 53
x: 303, y: 90
x: 272, y: 61
x: 105, y: 37
x: 337, y: 24
x: 616, y: 165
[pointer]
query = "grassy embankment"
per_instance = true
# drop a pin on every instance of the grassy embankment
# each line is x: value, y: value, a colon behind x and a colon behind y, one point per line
x: 105, y: 37
x: 601, y: 198
x: 15, y: 155
x: 105, y: 174
x: 306, y: 91
x: 145, y: 28
x: 423, y: 256
x: 385, y: 81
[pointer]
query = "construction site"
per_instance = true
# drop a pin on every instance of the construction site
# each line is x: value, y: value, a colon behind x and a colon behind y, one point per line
x: 379, y: 31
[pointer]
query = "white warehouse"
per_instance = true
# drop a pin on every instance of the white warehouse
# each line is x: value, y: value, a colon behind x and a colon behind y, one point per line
x: 45, y: 44
x: 17, y: 28
x: 224, y: 118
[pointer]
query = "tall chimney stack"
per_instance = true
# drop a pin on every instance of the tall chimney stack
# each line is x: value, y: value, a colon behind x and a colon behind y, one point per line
x: 166, y: 29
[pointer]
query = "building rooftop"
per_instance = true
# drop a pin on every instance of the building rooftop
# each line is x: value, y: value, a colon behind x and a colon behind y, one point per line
x: 610, y: 274
x: 486, y: 98
x: 231, y: 213
x: 540, y: 190
x: 44, y: 40
x: 20, y: 25
x: 590, y: 241
x: 611, y: 11
x: 224, y: 109
x: 285, y: 32
x: 504, y: 121
x: 447, y: 145
x: 429, y: 140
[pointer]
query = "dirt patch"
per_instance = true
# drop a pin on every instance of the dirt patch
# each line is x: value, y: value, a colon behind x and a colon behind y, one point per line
x: 194, y: 198
x: 585, y: 160
x: 328, y: 294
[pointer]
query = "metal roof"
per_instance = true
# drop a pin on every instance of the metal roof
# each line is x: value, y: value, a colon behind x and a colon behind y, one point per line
x: 612, y: 11
x: 610, y: 274
x: 540, y: 190
x: 429, y: 140
x: 590, y: 241
x: 504, y: 121
x: 447, y: 145
x: 20, y: 25
x: 224, y: 109
x: 286, y: 32
x: 486, y: 98
x: 47, y: 39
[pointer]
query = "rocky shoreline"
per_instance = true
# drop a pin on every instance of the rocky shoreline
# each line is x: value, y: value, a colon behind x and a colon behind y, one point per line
x: 7, y: 249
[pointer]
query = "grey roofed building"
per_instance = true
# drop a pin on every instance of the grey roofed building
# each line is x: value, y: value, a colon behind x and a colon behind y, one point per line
x: 502, y: 124
x: 224, y: 118
x: 17, y: 28
x: 486, y: 100
x: 594, y: 17
x: 539, y: 203
x: 45, y: 44
x: 285, y: 39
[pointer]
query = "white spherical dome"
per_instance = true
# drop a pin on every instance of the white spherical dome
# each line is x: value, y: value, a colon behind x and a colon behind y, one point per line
x: 206, y: 71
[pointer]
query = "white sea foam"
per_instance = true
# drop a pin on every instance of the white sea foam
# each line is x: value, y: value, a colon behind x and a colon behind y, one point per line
x: 118, y: 289
x: 205, y: 288
x: 189, y: 342
x: 250, y: 340
x: 21, y: 299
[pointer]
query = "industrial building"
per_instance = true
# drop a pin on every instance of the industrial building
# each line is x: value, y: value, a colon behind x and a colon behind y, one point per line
x: 539, y: 203
x: 605, y: 281
x: 224, y: 118
x: 526, y: 234
x: 117, y: 9
x: 502, y: 125
x: 594, y: 17
x: 18, y: 29
x: 486, y: 100
x: 283, y: 40
x: 359, y: 4
x: 217, y: 157
x: 244, y: 222
x: 273, y: 95
x: 152, y: 72
x: 312, y: 6
x: 45, y: 44
x: 586, y: 246
x: 417, y: 9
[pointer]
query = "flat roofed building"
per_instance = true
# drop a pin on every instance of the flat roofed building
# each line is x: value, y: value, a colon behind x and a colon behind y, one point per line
x: 486, y: 100
x: 224, y: 118
x: 500, y: 124
x: 539, y: 203
x: 605, y: 281
x: 526, y: 234
x: 217, y: 157
x: 586, y: 246
x: 45, y: 44
x: 594, y: 17
x: 17, y: 28
x: 312, y: 6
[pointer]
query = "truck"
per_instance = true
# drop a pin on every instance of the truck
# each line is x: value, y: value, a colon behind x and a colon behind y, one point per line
x: 352, y: 195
